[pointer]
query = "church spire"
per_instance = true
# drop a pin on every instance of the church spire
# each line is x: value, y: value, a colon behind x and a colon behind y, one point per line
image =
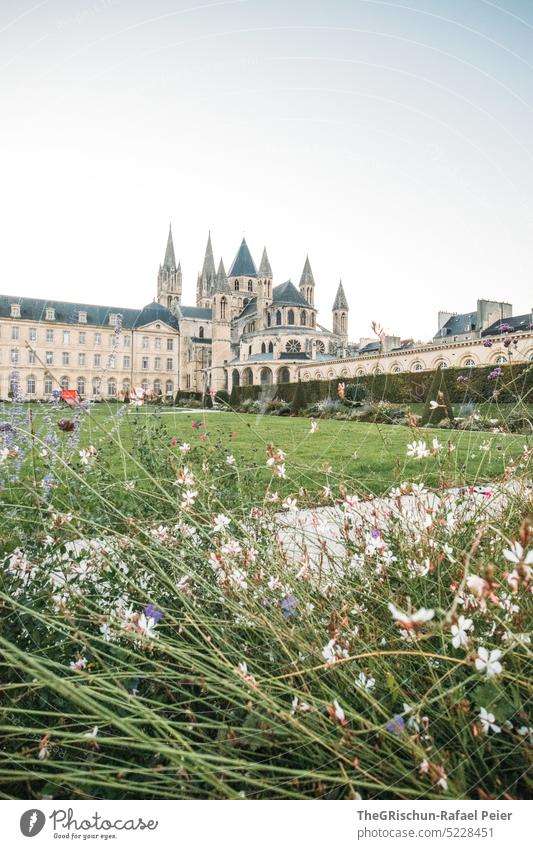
x: 221, y: 282
x: 340, y: 302
x: 307, y: 283
x: 208, y: 269
x: 206, y: 278
x: 170, y: 258
x: 340, y: 314
x: 264, y: 269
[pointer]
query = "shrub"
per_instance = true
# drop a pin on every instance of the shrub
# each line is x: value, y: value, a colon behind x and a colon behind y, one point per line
x: 299, y: 401
x: 438, y: 404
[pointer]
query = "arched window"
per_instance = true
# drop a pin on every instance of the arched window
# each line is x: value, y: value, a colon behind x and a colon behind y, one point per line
x: 290, y: 317
x: 303, y: 318
x: 248, y: 377
x: 263, y: 348
x: 265, y: 376
x: 469, y: 363
x: 126, y: 386
x: 250, y: 286
x: 111, y: 388
x: 293, y: 346
x: 237, y: 287
x: 169, y: 388
x: 500, y: 360
x: 96, y: 387
x: 417, y: 367
x: 396, y: 369
x: 30, y: 384
x: 442, y: 364
x: 64, y: 383
x: 320, y: 347
x: 157, y: 387
x: 222, y: 308
x: 144, y: 386
x: 278, y: 317
x: 235, y: 378
x: 269, y: 319
x: 270, y: 347
x: 201, y: 333
x: 284, y: 375
x: 80, y: 385
x: 343, y: 322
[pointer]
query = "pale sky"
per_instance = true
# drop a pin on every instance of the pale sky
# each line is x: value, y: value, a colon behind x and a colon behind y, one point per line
x: 392, y: 140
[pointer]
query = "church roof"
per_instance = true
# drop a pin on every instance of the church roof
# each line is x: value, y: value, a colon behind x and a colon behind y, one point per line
x: 196, y: 312
x: 243, y: 264
x: 155, y: 311
x: 287, y: 293
x: 340, y: 302
x: 307, y: 278
x: 248, y: 309
x: 66, y: 312
x: 265, y: 269
x: 170, y: 258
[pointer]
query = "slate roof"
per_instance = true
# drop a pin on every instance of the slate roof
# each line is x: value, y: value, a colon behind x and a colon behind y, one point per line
x: 307, y: 278
x: 196, y: 312
x: 295, y: 355
x: 287, y: 293
x: 170, y: 258
x: 248, y: 309
x: 340, y: 302
x: 156, y: 312
x: 66, y: 312
x: 201, y: 340
x: 265, y: 269
x: 457, y: 324
x: 243, y: 264
x: 516, y: 322
x: 371, y: 346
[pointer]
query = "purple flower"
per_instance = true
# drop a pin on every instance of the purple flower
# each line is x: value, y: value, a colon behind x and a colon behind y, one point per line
x: 505, y: 328
x: 487, y: 343
x: 462, y: 378
x: 495, y: 374
x: 507, y: 341
x: 288, y: 606
x: 151, y: 613
x: 375, y: 533
x: 395, y: 725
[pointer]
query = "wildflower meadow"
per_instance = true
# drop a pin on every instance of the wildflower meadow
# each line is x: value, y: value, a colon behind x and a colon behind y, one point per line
x: 222, y: 604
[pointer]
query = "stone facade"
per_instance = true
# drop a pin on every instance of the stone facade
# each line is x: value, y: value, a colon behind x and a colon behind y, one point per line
x: 242, y: 330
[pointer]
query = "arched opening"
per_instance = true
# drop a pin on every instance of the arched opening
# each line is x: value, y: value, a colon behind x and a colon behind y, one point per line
x: 222, y: 308
x: 235, y: 378
x: 303, y: 318
x: 278, y: 317
x: 343, y: 322
x: 270, y: 347
x: 80, y: 386
x: 269, y: 319
x: 247, y: 377
x: 64, y: 383
x: 111, y: 388
x: 290, y: 317
x: 169, y: 388
x: 263, y: 348
x: 237, y: 286
x: 201, y: 333
x: 250, y: 286
x: 284, y: 375
x: 265, y: 377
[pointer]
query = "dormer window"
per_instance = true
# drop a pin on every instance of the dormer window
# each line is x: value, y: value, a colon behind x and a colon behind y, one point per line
x: 15, y: 310
x: 82, y: 317
x: 50, y: 314
x: 112, y: 318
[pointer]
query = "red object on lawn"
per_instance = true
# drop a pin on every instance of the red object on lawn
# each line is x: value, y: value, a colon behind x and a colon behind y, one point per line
x: 70, y: 396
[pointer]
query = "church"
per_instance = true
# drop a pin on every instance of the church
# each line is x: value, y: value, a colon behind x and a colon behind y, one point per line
x: 243, y: 330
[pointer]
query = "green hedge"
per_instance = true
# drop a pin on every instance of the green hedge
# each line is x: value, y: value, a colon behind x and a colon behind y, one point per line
x: 409, y: 387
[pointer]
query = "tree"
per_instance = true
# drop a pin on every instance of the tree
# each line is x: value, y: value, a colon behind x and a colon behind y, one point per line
x: 234, y: 398
x: 438, y: 405
x: 299, y: 401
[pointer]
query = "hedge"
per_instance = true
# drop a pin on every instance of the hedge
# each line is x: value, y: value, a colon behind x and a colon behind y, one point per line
x: 462, y: 386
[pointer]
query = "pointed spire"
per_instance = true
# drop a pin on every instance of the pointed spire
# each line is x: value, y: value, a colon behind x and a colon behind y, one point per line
x: 307, y: 278
x: 264, y: 269
x: 243, y: 264
x: 221, y: 282
x: 340, y: 302
x: 208, y: 270
x: 170, y: 259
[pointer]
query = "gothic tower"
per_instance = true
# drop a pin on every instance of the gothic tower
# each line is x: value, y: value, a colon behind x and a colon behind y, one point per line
x: 340, y: 314
x: 205, y: 285
x: 307, y: 283
x: 264, y: 287
x: 169, y: 278
x: 220, y: 330
x: 242, y: 278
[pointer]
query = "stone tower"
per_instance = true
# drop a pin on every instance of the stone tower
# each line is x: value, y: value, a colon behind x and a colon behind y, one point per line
x: 242, y: 278
x: 220, y: 329
x: 264, y: 287
x: 169, y: 278
x: 205, y: 285
x: 340, y: 314
x: 307, y: 283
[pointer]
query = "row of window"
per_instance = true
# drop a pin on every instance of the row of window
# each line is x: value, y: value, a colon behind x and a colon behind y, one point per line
x: 110, y: 387
x: 291, y: 319
x: 110, y: 361
x: 68, y: 337
x: 114, y: 318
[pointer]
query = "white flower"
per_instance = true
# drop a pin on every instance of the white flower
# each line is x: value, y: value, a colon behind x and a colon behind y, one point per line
x: 93, y: 733
x: 272, y: 496
x: 188, y: 498
x: 459, y: 631
x: 434, y: 405
x: 220, y: 523
x: 79, y: 664
x: 185, y: 476
x: 184, y: 448
x: 411, y: 620
x: 478, y: 586
x: 146, y: 625
x: 332, y: 652
x: 487, y: 722
x: 326, y: 492
x: 105, y: 631
x: 488, y: 662
x: 436, y: 445
x: 280, y: 470
x: 298, y: 705
x: 364, y: 682
x: 338, y: 712
x: 516, y: 554
x: 417, y: 449
x: 314, y: 426
x: 290, y: 504
x: 230, y: 460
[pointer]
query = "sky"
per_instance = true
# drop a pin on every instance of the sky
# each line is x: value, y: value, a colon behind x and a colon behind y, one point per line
x: 391, y: 140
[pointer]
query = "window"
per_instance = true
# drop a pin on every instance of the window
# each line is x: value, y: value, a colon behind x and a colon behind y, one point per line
x: 201, y: 333
x: 31, y: 358
x: 66, y: 337
x: 470, y: 363
x: 249, y: 350
x: 170, y: 344
x: 145, y: 342
x: 81, y: 359
x: 144, y: 386
x: 417, y: 367
x: 169, y: 388
x: 157, y: 387
x: 80, y: 385
x: 111, y: 388
x: 126, y: 362
x: 250, y: 286
x: 97, y: 359
x: 396, y: 369
x: 30, y: 384
x: 14, y: 358
x: 64, y: 382
x: 49, y: 335
x: 320, y: 347
x: 111, y: 361
x: 97, y: 338
x: 500, y: 360
x: 96, y: 387
x: 113, y: 318
x: 222, y: 308
x: 48, y: 386
x: 49, y: 358
x: 50, y: 314
x: 263, y: 348
x: 293, y: 346
x: 81, y: 337
x: 290, y: 317
x: 157, y: 363
x: 126, y: 387
x: 15, y: 310
x: 82, y: 317
x: 303, y: 318
x: 65, y: 358
x: 145, y: 362
x: 278, y: 317
x: 169, y: 363
x: 270, y: 347
x: 237, y: 286
x: 157, y: 343
x: 127, y: 342
x: 442, y: 364
x: 269, y: 319
x: 15, y: 333
x: 32, y: 334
